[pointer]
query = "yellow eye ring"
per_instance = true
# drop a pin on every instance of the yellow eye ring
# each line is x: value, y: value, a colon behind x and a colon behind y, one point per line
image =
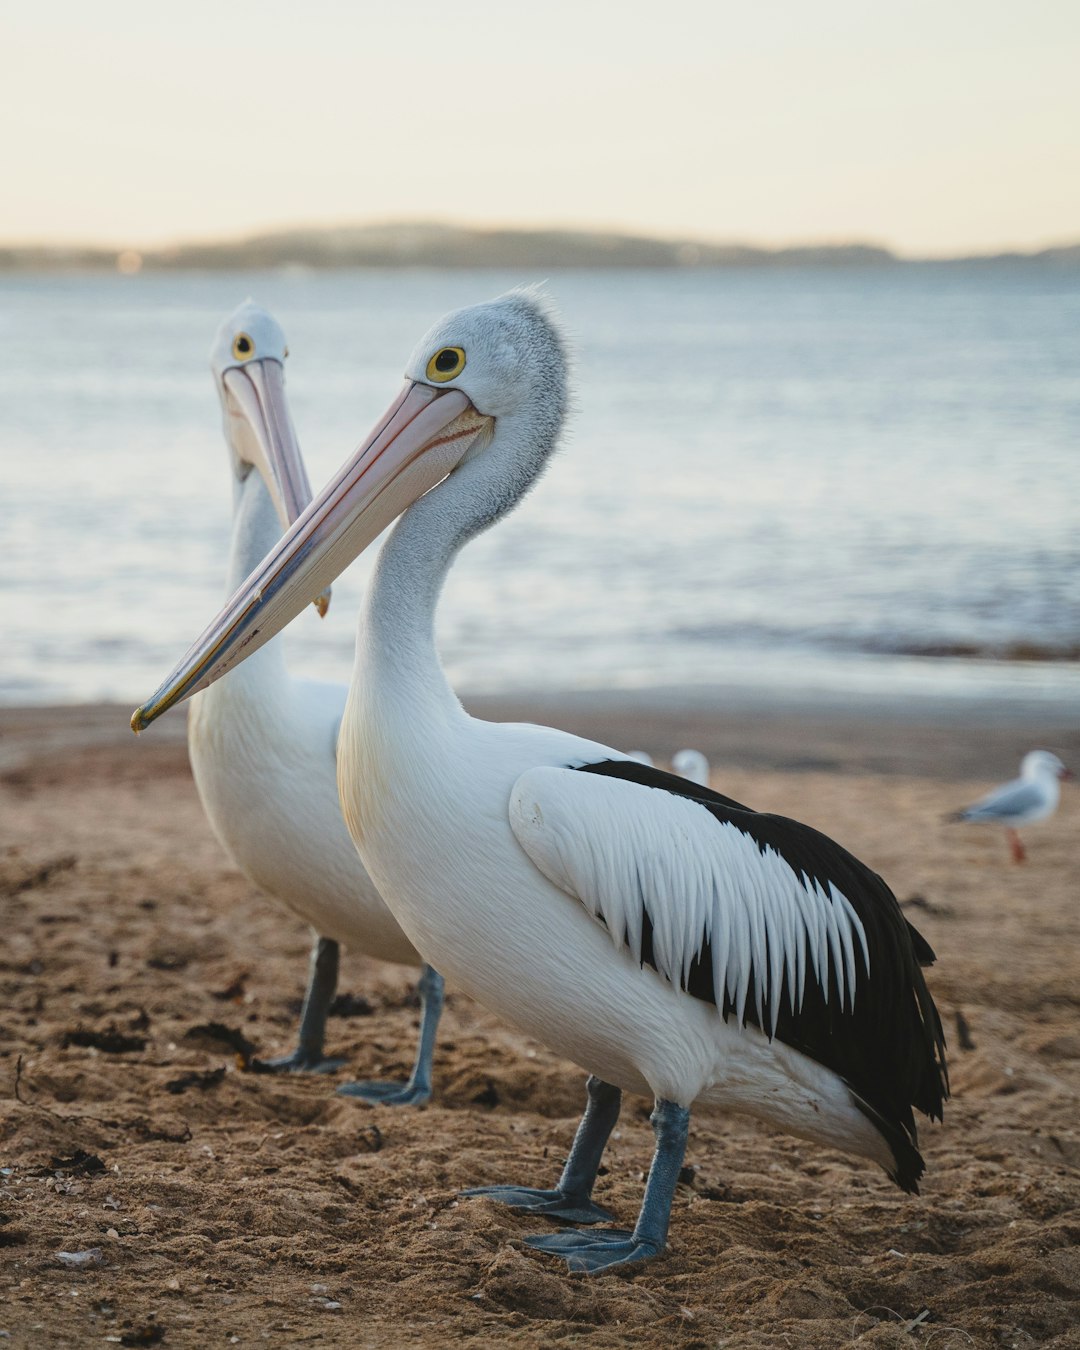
x: 243, y: 347
x: 446, y: 364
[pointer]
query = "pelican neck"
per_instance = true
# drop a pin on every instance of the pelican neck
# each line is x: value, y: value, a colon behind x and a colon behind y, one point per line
x: 256, y: 529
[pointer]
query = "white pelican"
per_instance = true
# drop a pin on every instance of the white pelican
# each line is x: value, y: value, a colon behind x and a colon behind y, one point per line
x: 262, y: 745
x: 663, y: 937
x: 1032, y: 797
x: 692, y: 765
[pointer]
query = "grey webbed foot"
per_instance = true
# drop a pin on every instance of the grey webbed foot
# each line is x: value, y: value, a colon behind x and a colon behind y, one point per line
x: 608, y: 1247
x: 417, y: 1090
x: 600, y: 1250
x: 300, y: 1061
x: 554, y: 1204
x: 388, y: 1092
x: 571, y: 1198
x: 322, y: 983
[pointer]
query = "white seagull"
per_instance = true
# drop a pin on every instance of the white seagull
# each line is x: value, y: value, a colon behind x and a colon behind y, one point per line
x: 692, y: 765
x: 262, y: 745
x: 669, y: 940
x: 1032, y: 797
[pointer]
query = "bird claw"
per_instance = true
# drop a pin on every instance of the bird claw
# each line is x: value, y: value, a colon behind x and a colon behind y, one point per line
x: 595, y: 1251
x: 552, y: 1204
x: 386, y: 1092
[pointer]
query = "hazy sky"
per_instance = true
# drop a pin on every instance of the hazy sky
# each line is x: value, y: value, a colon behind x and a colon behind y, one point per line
x: 933, y: 125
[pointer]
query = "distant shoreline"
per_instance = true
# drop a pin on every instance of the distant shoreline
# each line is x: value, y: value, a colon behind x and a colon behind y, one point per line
x: 419, y: 245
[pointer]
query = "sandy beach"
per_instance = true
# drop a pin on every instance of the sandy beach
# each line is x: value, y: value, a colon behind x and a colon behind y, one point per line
x: 227, y: 1207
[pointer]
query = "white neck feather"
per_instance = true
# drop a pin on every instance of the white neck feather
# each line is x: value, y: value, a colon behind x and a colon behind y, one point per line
x: 397, y: 663
x: 256, y: 529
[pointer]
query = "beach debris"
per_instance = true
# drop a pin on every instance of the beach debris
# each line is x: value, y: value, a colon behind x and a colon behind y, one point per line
x: 927, y: 906
x: 150, y: 1334
x: 40, y: 876
x: 80, y: 1161
x: 219, y: 1034
x: 351, y: 1005
x: 234, y: 991
x: 112, y: 1041
x: 487, y: 1096
x: 963, y: 1032
x: 210, y: 1078
x: 92, y: 1256
x: 169, y: 1130
x: 327, y: 1304
x: 371, y: 1138
x: 11, y: 1237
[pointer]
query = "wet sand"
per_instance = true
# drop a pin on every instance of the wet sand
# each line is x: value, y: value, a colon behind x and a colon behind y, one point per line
x: 227, y: 1207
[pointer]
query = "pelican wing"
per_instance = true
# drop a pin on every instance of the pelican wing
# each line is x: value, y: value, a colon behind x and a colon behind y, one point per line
x: 768, y: 919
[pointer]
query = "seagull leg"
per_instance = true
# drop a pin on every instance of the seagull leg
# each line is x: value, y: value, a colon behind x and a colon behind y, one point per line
x: 417, y: 1090
x: 571, y: 1198
x: 607, y: 1247
x: 1016, y: 845
x: 322, y: 985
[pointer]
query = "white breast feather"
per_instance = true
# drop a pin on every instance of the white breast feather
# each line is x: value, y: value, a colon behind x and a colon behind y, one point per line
x: 622, y: 849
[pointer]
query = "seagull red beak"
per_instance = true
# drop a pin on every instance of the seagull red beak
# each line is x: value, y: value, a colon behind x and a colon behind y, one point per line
x: 422, y: 437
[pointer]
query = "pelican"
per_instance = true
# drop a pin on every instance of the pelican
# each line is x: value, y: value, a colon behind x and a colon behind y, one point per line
x: 665, y: 938
x: 262, y: 745
x: 692, y: 765
x: 1032, y: 797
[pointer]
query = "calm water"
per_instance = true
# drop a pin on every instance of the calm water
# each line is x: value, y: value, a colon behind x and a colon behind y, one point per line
x: 822, y: 478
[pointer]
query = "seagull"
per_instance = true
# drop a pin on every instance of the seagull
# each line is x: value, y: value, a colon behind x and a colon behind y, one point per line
x: 262, y: 744
x: 669, y: 940
x: 693, y: 765
x: 1032, y: 797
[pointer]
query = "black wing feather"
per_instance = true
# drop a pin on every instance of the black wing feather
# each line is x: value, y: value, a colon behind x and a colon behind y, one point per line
x: 889, y: 1047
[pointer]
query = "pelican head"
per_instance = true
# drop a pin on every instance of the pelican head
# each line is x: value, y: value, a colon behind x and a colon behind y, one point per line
x: 248, y: 363
x: 1043, y: 764
x: 484, y: 397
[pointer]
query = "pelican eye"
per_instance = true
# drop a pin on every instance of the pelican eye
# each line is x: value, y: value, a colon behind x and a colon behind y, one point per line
x: 445, y: 364
x: 243, y: 348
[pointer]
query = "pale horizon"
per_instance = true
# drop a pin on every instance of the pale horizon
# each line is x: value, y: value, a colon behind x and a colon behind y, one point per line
x: 930, y: 130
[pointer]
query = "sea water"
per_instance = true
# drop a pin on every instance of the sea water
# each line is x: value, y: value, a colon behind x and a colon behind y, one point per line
x: 806, y: 478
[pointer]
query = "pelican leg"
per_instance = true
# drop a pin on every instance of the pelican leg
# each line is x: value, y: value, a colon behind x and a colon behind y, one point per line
x: 322, y: 985
x: 607, y: 1247
x: 417, y: 1090
x: 572, y: 1197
